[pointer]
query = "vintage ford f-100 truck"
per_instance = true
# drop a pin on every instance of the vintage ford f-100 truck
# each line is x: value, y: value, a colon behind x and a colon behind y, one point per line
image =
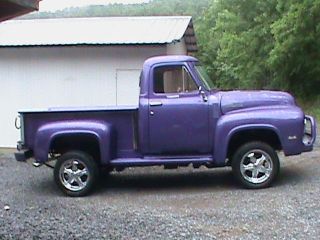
x: 181, y: 120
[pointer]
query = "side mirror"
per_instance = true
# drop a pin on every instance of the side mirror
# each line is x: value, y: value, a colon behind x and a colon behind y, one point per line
x: 203, y: 94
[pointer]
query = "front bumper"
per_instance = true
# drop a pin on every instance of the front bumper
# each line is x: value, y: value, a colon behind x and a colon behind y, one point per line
x: 310, y: 132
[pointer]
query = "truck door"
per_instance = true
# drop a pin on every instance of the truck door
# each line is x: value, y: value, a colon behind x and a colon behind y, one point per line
x: 178, y: 114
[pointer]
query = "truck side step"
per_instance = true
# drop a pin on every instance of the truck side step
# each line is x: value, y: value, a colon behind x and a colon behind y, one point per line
x: 130, y: 162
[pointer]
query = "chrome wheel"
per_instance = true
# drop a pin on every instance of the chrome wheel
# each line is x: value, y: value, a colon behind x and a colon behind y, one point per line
x: 256, y: 166
x: 74, y: 175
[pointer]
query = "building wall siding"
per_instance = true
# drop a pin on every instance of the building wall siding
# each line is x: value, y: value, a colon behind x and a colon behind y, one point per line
x: 177, y: 48
x: 65, y: 76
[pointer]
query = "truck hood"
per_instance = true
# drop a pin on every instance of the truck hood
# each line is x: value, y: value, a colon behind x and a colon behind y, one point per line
x: 236, y: 100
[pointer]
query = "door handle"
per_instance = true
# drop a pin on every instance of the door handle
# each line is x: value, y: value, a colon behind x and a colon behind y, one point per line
x: 155, y: 104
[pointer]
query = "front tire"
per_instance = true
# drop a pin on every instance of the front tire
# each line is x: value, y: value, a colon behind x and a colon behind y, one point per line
x: 75, y: 173
x: 255, y: 165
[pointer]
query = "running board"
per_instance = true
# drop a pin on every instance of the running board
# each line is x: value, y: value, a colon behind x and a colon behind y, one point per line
x: 179, y: 157
x: 152, y: 161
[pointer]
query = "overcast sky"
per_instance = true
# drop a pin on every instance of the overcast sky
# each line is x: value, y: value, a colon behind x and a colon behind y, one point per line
x: 53, y: 5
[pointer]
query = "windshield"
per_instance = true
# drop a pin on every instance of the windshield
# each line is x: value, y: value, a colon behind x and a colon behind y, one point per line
x: 204, y: 77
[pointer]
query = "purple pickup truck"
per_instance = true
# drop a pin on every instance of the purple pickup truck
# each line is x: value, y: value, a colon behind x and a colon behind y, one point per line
x: 181, y: 120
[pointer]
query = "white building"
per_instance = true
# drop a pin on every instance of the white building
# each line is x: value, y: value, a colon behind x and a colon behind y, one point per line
x: 80, y: 62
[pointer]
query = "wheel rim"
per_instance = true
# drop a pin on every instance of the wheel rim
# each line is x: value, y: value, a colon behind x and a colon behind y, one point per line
x: 256, y: 166
x: 74, y: 175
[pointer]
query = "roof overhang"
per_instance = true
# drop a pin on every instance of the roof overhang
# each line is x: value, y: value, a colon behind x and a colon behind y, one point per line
x: 13, y: 8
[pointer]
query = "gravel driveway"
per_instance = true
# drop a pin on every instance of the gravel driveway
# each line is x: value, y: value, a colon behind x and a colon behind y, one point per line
x: 152, y: 203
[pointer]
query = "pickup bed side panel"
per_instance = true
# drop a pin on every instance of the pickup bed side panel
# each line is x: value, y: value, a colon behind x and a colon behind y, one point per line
x: 280, y: 120
x: 102, y: 131
x: 115, y: 128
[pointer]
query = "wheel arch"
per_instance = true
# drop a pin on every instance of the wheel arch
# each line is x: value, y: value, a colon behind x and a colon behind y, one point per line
x: 228, y: 133
x: 53, y: 136
x: 243, y: 135
x: 88, y: 142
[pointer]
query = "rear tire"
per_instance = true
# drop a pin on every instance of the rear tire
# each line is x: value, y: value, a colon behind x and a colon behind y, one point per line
x: 76, y: 173
x: 255, y: 165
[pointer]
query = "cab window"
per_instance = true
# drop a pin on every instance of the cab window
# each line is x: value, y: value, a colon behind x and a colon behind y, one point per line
x: 173, y: 79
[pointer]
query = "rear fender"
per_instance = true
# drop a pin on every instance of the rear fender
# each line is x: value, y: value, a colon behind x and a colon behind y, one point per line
x: 101, y: 131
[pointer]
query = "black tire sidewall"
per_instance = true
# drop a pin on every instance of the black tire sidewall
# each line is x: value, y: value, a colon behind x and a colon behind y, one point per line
x: 91, y: 166
x: 244, y: 149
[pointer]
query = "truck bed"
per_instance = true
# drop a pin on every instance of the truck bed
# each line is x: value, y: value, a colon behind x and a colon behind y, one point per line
x: 123, y: 120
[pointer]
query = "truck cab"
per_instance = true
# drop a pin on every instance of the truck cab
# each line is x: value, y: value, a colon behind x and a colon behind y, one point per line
x: 181, y: 120
x: 175, y: 109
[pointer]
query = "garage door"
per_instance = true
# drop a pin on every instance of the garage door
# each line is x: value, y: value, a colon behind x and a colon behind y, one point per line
x: 128, y: 86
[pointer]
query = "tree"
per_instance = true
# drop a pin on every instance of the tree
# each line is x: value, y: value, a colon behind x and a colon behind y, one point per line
x: 295, y: 58
x: 263, y: 44
x: 238, y: 41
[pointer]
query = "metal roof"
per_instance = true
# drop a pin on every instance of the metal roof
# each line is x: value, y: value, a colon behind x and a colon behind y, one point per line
x: 97, y: 31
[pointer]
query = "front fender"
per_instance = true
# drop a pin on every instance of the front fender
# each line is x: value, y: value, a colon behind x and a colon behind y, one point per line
x: 283, y: 121
x: 47, y: 133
